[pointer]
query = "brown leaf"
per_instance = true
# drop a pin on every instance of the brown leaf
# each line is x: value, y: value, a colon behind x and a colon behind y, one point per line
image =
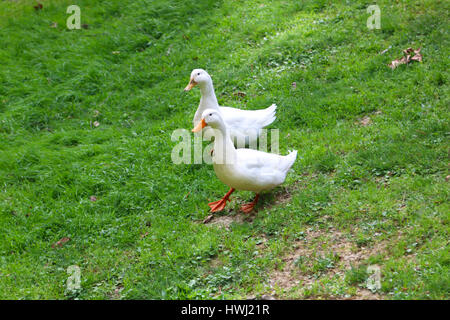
x: 417, y: 57
x: 395, y: 63
x: 409, y: 55
x: 39, y: 6
x: 60, y: 242
x: 85, y: 26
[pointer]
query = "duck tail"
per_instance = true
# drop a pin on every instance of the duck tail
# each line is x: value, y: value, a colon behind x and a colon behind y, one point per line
x: 290, y: 159
x: 269, y: 115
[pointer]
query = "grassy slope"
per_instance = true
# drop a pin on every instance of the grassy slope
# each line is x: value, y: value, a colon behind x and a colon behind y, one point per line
x: 379, y: 183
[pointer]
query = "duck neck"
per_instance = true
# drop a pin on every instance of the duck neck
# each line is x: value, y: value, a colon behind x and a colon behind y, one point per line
x: 224, y: 150
x: 208, y: 99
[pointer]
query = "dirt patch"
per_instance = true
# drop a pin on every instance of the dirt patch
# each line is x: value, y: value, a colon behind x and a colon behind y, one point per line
x: 323, y: 254
x: 226, y: 221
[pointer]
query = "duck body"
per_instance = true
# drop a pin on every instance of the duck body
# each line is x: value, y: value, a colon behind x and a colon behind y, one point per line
x: 253, y: 170
x: 244, y: 125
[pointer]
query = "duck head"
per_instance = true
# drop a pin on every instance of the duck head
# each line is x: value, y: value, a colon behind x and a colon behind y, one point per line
x: 198, y: 77
x: 210, y: 117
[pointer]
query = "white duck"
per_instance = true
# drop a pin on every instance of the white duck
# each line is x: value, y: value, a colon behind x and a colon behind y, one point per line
x: 245, y: 125
x: 243, y: 169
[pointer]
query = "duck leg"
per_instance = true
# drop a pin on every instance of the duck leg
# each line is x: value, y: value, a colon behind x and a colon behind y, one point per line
x: 220, y: 204
x: 248, y: 207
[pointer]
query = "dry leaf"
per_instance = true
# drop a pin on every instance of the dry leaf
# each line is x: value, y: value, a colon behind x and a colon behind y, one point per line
x: 116, y: 52
x: 93, y: 198
x: 409, y: 55
x: 395, y: 63
x: 60, y: 242
x: 294, y: 85
x: 85, y: 26
x: 54, y: 25
x: 96, y: 123
x: 39, y: 6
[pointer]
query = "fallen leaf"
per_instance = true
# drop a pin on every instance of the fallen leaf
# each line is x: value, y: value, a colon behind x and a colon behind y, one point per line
x: 294, y: 85
x: 39, y: 6
x: 54, y: 25
x: 240, y: 94
x: 116, y: 52
x: 93, y: 198
x: 144, y: 235
x: 60, y: 242
x: 85, y: 26
x: 96, y: 123
x: 395, y: 63
x: 409, y: 55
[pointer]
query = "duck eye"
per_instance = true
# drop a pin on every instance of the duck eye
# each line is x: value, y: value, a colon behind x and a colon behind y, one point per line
x: 198, y: 73
x: 210, y: 114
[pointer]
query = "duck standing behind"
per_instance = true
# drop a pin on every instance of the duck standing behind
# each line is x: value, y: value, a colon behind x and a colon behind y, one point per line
x: 245, y: 125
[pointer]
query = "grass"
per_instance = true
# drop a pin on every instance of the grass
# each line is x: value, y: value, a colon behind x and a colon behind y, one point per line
x: 385, y: 182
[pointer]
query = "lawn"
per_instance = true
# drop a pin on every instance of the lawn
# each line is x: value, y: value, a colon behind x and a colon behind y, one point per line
x: 86, y: 118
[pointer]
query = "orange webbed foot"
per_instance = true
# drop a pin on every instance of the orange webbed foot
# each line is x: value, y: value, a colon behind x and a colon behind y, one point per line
x: 220, y: 204
x: 217, y: 205
x: 248, y: 207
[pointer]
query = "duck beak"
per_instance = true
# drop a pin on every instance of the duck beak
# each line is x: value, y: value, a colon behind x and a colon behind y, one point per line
x: 199, y: 126
x: 191, y: 84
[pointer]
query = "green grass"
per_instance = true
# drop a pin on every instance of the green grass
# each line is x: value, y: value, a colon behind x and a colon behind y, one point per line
x: 381, y: 183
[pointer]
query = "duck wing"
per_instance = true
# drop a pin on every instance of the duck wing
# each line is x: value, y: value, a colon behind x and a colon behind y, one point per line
x: 248, y: 119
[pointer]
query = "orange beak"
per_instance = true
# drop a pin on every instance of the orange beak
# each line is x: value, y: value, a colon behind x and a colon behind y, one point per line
x: 199, y: 126
x: 191, y: 84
